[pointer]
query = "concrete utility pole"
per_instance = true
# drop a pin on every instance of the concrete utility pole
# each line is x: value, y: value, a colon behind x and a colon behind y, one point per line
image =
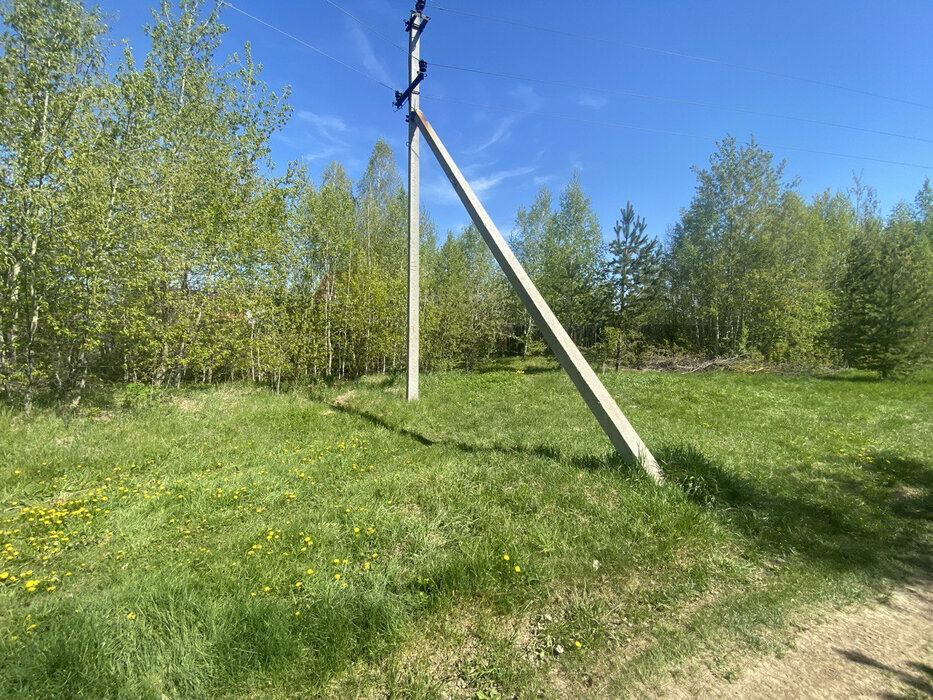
x: 621, y: 433
x: 414, y: 211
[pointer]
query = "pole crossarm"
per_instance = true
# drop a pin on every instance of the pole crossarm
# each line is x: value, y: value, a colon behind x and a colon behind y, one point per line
x: 616, y: 426
x: 400, y: 97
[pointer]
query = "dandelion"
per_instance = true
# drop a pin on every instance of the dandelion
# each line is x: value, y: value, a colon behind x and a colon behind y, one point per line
x: 337, y: 577
x: 310, y: 571
x: 505, y: 556
x: 266, y: 589
x: 131, y: 616
x: 518, y: 569
x: 297, y: 613
x: 577, y: 644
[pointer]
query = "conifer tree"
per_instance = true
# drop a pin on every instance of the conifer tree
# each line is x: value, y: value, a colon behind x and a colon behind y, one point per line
x: 885, y: 297
x: 633, y: 275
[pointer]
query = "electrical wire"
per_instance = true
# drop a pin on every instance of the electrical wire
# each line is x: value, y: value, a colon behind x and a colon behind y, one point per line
x: 680, y: 54
x: 367, y: 25
x: 665, y: 132
x: 307, y: 45
x: 676, y: 100
x: 627, y: 93
x: 563, y: 117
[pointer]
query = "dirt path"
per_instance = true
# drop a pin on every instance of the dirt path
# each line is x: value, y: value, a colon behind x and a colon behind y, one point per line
x: 884, y: 651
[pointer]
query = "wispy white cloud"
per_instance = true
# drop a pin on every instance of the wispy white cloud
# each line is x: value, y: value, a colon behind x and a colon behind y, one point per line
x: 526, y: 96
x: 439, y: 190
x: 324, y: 153
x: 501, y: 132
x: 322, y: 122
x: 544, y: 179
x: 592, y: 101
x: 322, y: 135
x: 370, y: 62
x: 487, y: 183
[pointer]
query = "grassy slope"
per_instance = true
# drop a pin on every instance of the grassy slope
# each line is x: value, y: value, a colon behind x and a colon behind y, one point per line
x: 785, y: 494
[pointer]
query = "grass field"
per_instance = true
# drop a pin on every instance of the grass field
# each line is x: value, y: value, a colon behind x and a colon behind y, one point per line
x: 482, y: 543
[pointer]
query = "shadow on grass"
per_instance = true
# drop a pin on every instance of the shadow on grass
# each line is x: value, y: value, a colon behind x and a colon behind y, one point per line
x: 789, y: 517
x: 609, y: 460
x: 918, y: 681
x: 859, y: 378
x: 853, y: 524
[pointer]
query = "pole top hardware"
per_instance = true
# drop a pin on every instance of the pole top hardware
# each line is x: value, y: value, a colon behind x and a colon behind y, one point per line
x: 400, y: 97
x: 410, y: 23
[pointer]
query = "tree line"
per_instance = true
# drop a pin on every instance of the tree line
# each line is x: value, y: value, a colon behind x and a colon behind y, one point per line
x: 145, y: 237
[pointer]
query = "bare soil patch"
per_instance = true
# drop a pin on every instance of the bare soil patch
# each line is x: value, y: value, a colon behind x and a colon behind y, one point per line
x: 883, y: 651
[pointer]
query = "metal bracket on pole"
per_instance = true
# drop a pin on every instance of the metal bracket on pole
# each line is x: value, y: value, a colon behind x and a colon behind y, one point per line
x: 400, y: 97
x: 620, y: 432
x: 409, y: 23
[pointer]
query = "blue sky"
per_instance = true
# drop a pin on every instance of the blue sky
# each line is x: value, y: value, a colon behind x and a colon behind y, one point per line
x: 878, y: 47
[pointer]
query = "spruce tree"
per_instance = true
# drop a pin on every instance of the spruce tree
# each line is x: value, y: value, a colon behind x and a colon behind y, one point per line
x: 885, y: 297
x: 633, y: 272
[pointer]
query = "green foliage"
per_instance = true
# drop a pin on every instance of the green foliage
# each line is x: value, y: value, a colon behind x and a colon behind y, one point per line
x: 147, y: 238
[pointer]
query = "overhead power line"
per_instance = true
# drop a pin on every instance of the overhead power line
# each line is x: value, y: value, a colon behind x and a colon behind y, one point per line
x: 680, y: 54
x: 367, y: 25
x: 567, y: 117
x: 681, y: 101
x: 666, y: 132
x: 309, y: 46
x: 635, y: 95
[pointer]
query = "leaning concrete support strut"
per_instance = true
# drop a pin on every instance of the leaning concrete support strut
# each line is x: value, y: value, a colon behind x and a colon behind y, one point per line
x: 607, y: 412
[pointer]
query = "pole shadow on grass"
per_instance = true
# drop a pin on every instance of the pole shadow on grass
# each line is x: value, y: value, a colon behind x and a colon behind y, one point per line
x: 827, y: 525
x: 594, y: 462
x: 790, y: 517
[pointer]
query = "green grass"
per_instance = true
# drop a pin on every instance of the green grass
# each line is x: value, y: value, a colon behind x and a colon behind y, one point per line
x: 166, y: 541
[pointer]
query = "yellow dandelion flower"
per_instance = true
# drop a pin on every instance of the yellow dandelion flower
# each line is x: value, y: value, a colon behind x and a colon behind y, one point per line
x: 337, y: 576
x: 310, y: 571
x: 505, y: 556
x: 297, y: 613
x: 297, y: 584
x: 131, y: 616
x: 518, y: 569
x: 266, y: 589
